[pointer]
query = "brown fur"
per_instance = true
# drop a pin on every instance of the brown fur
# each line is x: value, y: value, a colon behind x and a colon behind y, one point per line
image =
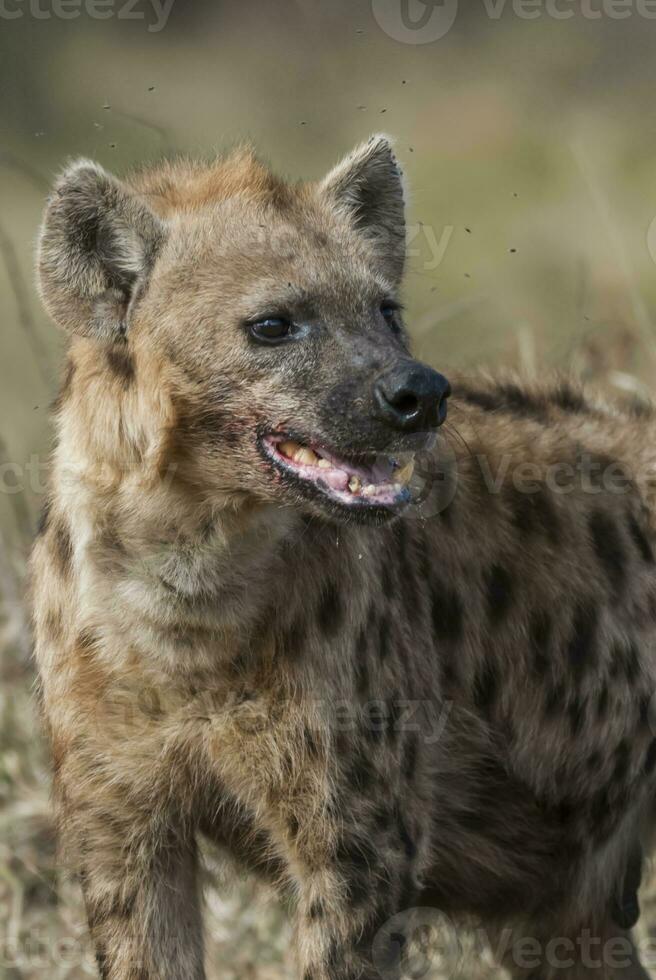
x: 451, y: 709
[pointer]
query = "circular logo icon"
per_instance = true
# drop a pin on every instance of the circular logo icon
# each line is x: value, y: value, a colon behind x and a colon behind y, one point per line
x: 434, y: 480
x: 415, y: 21
x: 415, y: 942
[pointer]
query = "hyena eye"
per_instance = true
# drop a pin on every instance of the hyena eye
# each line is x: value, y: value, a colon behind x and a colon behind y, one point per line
x: 389, y: 313
x: 270, y: 329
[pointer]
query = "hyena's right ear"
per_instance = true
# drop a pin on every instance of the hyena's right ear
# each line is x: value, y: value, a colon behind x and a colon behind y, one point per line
x: 97, y: 245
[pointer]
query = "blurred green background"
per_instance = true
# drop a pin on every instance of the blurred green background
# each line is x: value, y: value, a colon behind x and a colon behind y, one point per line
x: 529, y: 144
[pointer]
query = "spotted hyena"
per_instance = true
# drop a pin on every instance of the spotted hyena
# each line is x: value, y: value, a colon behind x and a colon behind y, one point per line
x: 249, y: 627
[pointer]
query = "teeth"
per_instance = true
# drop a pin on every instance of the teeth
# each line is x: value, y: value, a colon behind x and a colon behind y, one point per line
x: 404, y: 475
x: 354, y: 484
x: 369, y: 490
x: 289, y: 449
x: 306, y: 456
x: 323, y: 464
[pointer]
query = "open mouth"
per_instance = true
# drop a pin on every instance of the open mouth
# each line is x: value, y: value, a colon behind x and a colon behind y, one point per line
x: 371, y: 481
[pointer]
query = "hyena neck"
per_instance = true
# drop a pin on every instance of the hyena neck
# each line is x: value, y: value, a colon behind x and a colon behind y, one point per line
x: 149, y: 566
x: 179, y: 578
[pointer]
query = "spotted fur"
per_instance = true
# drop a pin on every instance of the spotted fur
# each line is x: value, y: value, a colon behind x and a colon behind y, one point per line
x: 447, y: 708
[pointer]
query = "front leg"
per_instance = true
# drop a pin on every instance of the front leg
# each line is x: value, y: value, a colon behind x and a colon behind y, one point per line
x: 140, y: 890
x: 342, y: 816
x: 365, y: 873
x: 341, y: 912
x: 145, y: 918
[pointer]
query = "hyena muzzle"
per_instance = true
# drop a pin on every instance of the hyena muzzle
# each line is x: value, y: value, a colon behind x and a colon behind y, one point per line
x: 379, y: 690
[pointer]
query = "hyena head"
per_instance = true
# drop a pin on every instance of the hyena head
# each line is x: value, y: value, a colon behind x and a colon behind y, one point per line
x: 264, y: 316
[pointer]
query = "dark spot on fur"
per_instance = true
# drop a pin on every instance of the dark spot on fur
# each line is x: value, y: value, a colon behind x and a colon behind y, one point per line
x: 374, y: 720
x: 535, y: 513
x: 499, y: 588
x: 86, y: 640
x: 626, y: 907
x: 361, y: 773
x: 410, y: 754
x: 382, y: 817
x: 609, y: 548
x: 311, y: 745
x: 481, y: 399
x: 293, y: 826
x: 599, y: 807
x: 387, y: 579
x: 640, y: 539
x: 485, y: 685
x: 53, y: 625
x: 568, y: 398
x: 102, y: 962
x: 576, y: 712
x: 360, y: 666
x: 211, y: 425
x: 566, y: 811
x: 408, y: 891
x: 621, y: 762
x: 293, y: 638
x: 644, y: 707
x: 540, y: 631
x: 631, y: 663
x: 602, y: 702
x: 581, y: 649
x: 406, y: 841
x: 555, y: 699
x: 330, y: 610
x: 121, y: 364
x: 44, y: 518
x: 625, y: 660
x: 447, y: 613
x: 63, y: 547
x: 650, y: 758
x: 317, y: 910
x: 505, y: 398
x: 358, y: 852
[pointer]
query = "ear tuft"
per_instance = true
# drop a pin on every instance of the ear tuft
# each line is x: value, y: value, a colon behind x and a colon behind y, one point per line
x: 368, y: 186
x: 98, y: 242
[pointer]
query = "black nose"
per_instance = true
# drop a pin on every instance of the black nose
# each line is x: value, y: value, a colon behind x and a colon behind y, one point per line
x: 412, y: 397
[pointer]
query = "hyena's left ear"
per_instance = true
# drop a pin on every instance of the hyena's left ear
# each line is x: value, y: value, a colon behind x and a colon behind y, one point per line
x: 368, y: 186
x: 98, y: 242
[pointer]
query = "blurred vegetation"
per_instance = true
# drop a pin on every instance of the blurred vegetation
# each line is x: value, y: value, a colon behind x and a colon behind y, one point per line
x: 530, y: 150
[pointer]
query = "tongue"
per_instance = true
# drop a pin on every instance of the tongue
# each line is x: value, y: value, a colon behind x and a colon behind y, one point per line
x: 336, y: 479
